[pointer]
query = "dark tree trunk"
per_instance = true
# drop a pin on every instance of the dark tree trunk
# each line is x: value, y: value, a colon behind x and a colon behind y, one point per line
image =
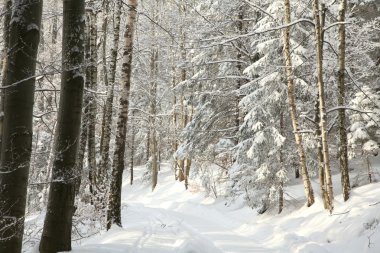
x: 56, y: 235
x: 17, y: 129
x: 4, y: 60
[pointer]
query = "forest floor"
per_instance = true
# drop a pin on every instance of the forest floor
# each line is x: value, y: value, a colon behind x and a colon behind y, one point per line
x: 171, y: 219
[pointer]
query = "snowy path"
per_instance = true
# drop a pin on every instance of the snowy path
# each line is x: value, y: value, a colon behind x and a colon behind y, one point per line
x: 171, y: 219
x: 157, y: 223
x: 187, y: 233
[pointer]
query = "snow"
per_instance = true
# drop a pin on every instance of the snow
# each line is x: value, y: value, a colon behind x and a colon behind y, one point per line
x: 171, y: 219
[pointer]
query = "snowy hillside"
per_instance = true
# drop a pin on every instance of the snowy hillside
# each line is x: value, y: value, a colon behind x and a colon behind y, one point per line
x: 174, y: 220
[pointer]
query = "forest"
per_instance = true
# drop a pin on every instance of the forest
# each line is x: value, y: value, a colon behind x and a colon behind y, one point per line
x: 189, y: 126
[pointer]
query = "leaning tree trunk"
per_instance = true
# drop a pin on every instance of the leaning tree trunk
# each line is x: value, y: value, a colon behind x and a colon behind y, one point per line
x: 56, y: 235
x: 107, y: 112
x: 114, y: 204
x: 292, y: 108
x: 322, y: 108
x: 19, y: 85
x: 343, y: 158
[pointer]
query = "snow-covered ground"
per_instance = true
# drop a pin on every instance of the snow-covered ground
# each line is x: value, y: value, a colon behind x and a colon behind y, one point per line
x: 171, y: 219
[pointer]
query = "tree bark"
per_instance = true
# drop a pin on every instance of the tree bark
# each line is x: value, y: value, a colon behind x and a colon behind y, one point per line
x: 19, y: 85
x: 343, y: 157
x: 107, y: 112
x: 4, y: 60
x: 133, y: 135
x: 174, y: 116
x: 292, y: 108
x: 105, y: 11
x: 321, y: 168
x: 152, y: 117
x: 92, y: 108
x: 56, y: 235
x: 322, y: 108
x: 281, y: 160
x: 114, y: 204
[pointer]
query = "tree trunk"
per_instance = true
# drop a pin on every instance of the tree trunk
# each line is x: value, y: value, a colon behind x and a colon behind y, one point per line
x: 152, y: 116
x: 239, y: 68
x: 4, y: 60
x: 281, y: 159
x: 114, y: 204
x: 185, y: 164
x: 92, y: 65
x: 56, y: 235
x: 132, y: 147
x: 181, y: 163
x: 153, y: 100
x: 322, y: 108
x: 82, y: 145
x: 174, y: 116
x: 321, y: 168
x: 292, y: 108
x: 105, y: 11
x: 107, y: 112
x: 343, y: 157
x: 6, y: 33
x: 24, y: 36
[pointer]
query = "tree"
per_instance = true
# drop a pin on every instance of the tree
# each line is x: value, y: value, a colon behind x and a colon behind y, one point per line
x: 343, y: 157
x: 292, y: 108
x: 17, y: 131
x: 56, y: 235
x: 4, y: 59
x: 92, y: 108
x: 107, y: 111
x: 322, y: 109
x: 114, y: 201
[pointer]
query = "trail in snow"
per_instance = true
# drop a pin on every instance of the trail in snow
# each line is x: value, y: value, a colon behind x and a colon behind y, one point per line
x: 171, y: 219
